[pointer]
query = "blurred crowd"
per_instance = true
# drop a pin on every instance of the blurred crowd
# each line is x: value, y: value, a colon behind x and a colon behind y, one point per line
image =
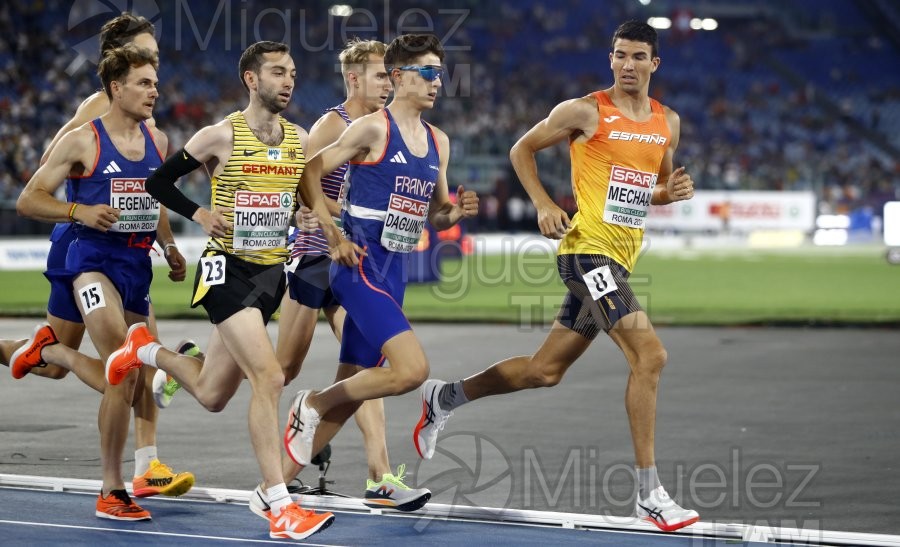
x: 745, y: 125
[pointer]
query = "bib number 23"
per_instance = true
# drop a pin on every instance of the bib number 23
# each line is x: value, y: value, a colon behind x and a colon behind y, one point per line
x: 212, y: 270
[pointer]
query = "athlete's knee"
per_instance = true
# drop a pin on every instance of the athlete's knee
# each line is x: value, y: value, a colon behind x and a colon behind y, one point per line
x: 290, y: 373
x: 545, y: 374
x: 212, y: 402
x: 52, y: 372
x: 651, y: 360
x: 270, y: 381
x: 410, y: 378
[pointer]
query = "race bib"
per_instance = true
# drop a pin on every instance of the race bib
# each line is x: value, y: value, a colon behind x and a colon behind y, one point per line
x: 139, y: 210
x: 92, y: 297
x: 212, y: 270
x: 628, y: 197
x: 599, y: 282
x: 261, y: 220
x: 404, y: 223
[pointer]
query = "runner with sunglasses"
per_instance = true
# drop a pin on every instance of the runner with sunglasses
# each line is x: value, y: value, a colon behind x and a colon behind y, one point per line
x: 397, y: 180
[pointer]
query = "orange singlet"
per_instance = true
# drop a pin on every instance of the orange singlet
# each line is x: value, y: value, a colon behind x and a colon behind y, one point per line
x: 613, y: 176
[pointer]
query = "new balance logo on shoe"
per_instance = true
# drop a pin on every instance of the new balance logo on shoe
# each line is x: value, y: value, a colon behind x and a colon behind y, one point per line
x: 112, y: 168
x: 398, y: 157
x: 611, y: 119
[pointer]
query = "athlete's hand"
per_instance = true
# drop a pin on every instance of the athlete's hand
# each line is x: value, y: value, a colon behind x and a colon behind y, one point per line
x: 347, y: 253
x: 177, y: 264
x: 307, y: 220
x: 467, y: 202
x: 680, y: 187
x: 213, y: 223
x: 553, y: 221
x: 99, y: 217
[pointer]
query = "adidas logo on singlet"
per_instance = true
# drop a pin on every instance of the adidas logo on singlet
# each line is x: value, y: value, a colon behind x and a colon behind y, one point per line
x: 398, y: 157
x: 112, y: 168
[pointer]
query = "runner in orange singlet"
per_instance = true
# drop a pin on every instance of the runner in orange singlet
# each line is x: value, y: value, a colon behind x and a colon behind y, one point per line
x: 621, y: 144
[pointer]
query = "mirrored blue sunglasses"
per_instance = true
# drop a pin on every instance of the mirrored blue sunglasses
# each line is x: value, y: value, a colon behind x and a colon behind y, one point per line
x: 429, y: 72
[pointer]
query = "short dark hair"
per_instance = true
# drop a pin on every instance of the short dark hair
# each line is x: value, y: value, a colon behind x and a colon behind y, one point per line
x: 121, y: 30
x: 403, y: 49
x: 118, y: 62
x: 252, y: 58
x: 638, y: 31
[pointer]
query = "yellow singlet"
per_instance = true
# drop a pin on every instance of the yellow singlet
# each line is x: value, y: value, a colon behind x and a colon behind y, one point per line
x: 259, y: 183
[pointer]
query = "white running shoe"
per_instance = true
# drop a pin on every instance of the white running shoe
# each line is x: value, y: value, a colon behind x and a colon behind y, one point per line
x: 433, y: 419
x: 393, y: 493
x: 301, y: 429
x: 662, y: 511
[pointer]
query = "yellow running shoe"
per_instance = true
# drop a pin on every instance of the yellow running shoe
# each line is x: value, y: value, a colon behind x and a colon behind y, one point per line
x: 160, y: 479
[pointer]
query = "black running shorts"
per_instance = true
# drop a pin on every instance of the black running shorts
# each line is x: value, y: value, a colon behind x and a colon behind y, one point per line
x: 599, y: 294
x: 225, y: 285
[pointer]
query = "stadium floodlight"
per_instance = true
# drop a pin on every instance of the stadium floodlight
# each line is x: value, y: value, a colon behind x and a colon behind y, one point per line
x: 696, y: 23
x: 341, y: 10
x: 709, y: 24
x: 644, y: 2
x: 660, y: 22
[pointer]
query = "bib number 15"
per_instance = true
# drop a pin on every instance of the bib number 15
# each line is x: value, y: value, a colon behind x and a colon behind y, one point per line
x: 212, y: 270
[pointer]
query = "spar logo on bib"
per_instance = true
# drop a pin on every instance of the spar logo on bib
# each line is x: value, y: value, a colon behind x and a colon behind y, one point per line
x: 139, y: 211
x: 404, y: 223
x: 628, y: 199
x: 261, y: 219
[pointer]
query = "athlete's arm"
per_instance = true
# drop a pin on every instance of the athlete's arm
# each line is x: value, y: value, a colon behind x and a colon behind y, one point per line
x: 566, y: 121
x: 443, y: 213
x: 164, y: 234
x: 209, y: 144
x: 76, y: 154
x: 678, y: 185
x: 355, y: 142
x: 326, y: 131
x: 93, y: 107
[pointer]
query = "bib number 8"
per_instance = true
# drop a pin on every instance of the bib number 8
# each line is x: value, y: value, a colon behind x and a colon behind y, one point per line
x: 213, y: 270
x: 600, y: 281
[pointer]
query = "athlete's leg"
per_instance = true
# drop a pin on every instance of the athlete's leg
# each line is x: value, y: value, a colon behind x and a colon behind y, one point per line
x: 331, y: 422
x: 146, y: 413
x: 296, y: 326
x: 239, y: 347
x: 212, y: 381
x: 336, y: 316
x: 371, y: 421
x: 70, y: 334
x: 409, y: 368
x: 8, y: 347
x: 107, y: 326
x: 646, y: 358
x: 244, y: 335
x: 545, y: 368
x: 370, y: 416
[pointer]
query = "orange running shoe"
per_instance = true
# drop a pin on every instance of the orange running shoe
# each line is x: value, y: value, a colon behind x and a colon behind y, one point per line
x: 125, y: 358
x: 160, y: 480
x: 295, y: 522
x: 29, y: 356
x: 118, y: 506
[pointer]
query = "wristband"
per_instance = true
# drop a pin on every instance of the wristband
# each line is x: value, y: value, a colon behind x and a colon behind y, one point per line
x: 72, y: 212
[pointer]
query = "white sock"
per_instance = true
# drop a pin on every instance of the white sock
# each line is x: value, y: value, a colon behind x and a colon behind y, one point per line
x: 147, y: 354
x: 648, y: 481
x: 278, y: 498
x: 142, y: 459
